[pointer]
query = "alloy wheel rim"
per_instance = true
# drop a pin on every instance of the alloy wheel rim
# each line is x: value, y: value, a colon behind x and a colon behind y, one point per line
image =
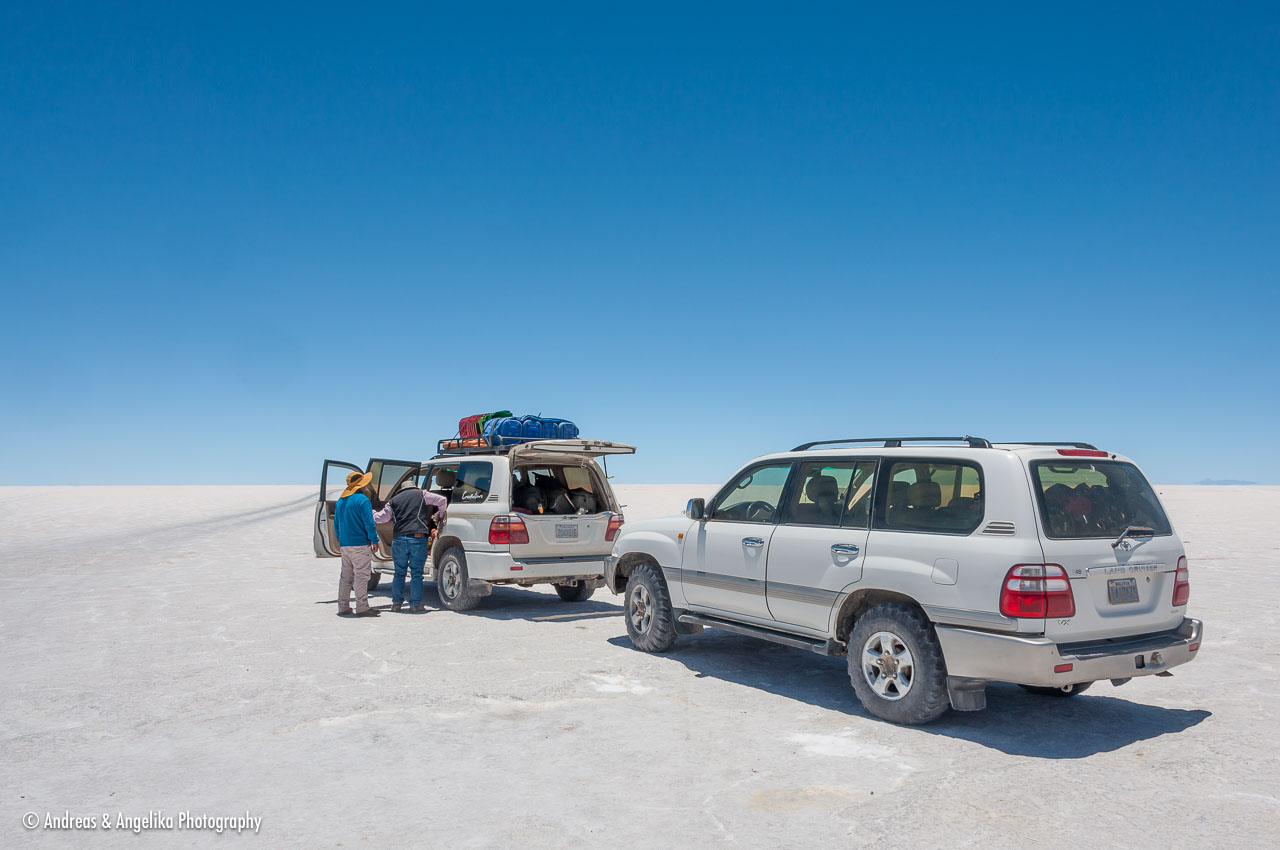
x: 641, y: 609
x: 451, y: 579
x: 888, y: 666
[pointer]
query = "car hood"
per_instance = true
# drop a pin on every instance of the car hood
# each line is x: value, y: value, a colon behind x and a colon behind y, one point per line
x: 667, y: 526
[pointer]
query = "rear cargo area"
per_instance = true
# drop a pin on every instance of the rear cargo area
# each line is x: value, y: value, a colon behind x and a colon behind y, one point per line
x: 565, y: 506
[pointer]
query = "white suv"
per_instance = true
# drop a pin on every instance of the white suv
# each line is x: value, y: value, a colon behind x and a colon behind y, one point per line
x: 540, y: 512
x: 935, y: 568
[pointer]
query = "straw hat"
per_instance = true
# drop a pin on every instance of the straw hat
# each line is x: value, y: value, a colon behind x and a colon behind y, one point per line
x: 357, y: 481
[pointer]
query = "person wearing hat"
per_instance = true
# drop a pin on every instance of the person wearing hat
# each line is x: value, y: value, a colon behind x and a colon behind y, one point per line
x: 357, y: 535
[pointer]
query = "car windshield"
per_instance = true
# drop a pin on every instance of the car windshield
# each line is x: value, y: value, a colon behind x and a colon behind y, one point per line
x: 1096, y: 499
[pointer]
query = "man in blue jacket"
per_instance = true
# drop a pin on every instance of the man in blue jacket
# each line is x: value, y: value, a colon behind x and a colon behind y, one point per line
x: 357, y: 535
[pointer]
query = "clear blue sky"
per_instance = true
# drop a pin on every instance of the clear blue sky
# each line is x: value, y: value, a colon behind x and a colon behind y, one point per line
x: 236, y: 239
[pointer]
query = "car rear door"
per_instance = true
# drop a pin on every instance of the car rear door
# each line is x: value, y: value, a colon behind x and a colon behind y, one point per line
x: 323, y: 537
x: 1120, y: 585
x: 817, y: 550
x: 569, y: 535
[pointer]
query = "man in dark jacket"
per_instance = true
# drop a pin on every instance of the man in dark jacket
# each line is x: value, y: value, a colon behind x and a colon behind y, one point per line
x: 415, y: 514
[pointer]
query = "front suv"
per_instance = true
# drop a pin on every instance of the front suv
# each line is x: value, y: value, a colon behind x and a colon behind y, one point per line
x: 934, y: 568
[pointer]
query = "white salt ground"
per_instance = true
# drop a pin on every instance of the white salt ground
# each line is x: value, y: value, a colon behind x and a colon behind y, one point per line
x: 176, y: 649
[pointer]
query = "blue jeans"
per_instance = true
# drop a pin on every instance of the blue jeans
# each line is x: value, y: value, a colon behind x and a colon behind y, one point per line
x: 409, y: 553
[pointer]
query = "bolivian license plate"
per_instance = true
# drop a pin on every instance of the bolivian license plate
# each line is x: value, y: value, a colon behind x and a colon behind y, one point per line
x: 1121, y: 590
x: 569, y: 531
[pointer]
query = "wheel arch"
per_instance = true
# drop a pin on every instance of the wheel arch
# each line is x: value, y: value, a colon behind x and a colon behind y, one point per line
x: 442, y: 545
x: 858, y: 602
x: 627, y: 564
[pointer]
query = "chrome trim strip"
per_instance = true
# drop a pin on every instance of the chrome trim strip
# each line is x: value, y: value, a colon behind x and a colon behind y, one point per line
x: 970, y: 617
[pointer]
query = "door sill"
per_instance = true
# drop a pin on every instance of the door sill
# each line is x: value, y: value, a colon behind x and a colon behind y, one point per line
x: 822, y: 647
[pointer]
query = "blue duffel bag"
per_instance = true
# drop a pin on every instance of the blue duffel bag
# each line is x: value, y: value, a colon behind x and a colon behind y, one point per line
x: 504, y: 431
x: 562, y: 429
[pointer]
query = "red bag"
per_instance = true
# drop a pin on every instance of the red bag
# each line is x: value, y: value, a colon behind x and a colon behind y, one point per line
x: 469, y: 426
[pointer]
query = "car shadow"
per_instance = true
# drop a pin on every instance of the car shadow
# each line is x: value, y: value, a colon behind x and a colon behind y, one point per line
x: 505, y: 603
x: 1014, y: 722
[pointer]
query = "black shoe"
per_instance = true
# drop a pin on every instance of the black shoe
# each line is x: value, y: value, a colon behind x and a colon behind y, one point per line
x: 396, y: 606
x: 370, y: 613
x: 417, y: 609
x: 346, y: 613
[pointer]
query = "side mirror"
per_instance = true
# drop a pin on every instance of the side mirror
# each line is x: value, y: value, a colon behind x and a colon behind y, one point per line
x: 696, y: 509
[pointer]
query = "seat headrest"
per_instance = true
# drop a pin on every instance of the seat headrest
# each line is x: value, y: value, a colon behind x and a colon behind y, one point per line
x: 822, y: 488
x: 446, y: 478
x: 924, y: 494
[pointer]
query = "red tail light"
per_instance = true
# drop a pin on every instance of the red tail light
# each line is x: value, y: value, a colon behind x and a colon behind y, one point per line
x: 1081, y: 453
x: 1182, y: 583
x: 615, y: 525
x: 1037, y: 590
x: 506, y: 530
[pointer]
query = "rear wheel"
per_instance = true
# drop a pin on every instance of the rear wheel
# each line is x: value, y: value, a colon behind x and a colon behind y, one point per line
x: 895, y: 664
x: 452, y: 581
x: 647, y: 610
x: 1064, y: 691
x: 578, y: 591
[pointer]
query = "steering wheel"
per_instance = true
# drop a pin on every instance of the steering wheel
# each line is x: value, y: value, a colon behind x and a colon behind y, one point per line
x: 758, y: 511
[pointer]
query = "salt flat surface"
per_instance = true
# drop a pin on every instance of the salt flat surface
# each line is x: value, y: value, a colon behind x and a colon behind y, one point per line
x: 176, y: 649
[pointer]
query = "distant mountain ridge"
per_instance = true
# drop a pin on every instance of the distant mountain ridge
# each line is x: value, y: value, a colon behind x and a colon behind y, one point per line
x: 1224, y: 481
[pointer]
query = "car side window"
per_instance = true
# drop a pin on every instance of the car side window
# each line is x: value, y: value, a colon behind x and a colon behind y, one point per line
x: 857, y: 511
x: 820, y: 493
x: 932, y: 495
x: 475, y: 477
x: 754, y: 496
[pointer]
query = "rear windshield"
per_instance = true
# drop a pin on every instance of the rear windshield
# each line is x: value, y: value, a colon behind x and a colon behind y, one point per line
x: 1095, y: 498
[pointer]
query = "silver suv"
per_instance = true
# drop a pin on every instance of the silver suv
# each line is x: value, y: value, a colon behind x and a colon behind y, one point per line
x: 934, y: 568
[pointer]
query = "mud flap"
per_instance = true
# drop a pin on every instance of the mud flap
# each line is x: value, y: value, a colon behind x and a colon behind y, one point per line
x: 967, y: 694
x: 480, y: 588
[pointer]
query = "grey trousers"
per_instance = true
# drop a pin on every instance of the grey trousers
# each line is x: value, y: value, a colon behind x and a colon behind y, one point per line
x: 356, y: 570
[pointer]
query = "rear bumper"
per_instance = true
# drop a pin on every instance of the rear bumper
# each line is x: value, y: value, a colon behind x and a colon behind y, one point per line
x: 500, y: 566
x: 993, y: 657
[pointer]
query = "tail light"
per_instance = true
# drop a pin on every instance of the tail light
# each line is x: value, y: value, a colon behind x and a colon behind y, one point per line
x: 1037, y: 590
x: 1081, y: 453
x: 1182, y: 583
x: 507, y: 530
x: 615, y: 525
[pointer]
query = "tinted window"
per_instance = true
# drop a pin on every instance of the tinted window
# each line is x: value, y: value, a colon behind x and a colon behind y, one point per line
x: 386, y: 475
x: 928, y: 495
x: 755, y: 496
x: 1096, y: 499
x: 475, y: 477
x: 823, y: 490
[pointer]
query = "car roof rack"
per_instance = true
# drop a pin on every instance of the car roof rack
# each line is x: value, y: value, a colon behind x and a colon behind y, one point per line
x: 1030, y: 443
x: 896, y: 442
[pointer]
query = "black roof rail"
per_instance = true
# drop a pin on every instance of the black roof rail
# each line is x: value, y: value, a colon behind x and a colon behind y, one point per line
x: 896, y: 442
x: 1030, y: 443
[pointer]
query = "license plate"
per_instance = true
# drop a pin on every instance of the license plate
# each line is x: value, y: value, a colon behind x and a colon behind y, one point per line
x: 568, y: 531
x: 1121, y: 590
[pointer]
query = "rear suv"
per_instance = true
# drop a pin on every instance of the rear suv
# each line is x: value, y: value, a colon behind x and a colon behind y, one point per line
x: 541, y: 512
x: 934, y: 568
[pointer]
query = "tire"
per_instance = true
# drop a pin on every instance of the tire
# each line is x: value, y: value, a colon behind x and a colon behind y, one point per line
x: 893, y: 638
x: 1064, y: 691
x: 651, y: 623
x: 579, y: 591
x: 451, y: 581
x: 375, y: 578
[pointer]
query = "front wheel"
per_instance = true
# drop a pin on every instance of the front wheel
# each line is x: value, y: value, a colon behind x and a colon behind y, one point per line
x: 1064, y: 691
x: 647, y: 609
x: 452, y: 582
x: 577, y: 591
x: 895, y: 664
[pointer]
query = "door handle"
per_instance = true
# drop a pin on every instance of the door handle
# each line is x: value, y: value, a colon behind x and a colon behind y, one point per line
x: 752, y: 541
x: 844, y: 549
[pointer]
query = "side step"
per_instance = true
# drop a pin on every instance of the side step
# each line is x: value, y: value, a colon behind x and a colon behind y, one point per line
x: 822, y: 647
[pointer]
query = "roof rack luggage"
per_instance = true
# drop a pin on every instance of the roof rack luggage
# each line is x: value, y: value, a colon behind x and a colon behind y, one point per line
x: 896, y: 442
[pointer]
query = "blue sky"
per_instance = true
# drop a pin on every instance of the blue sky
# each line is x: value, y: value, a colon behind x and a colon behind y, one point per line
x: 235, y: 240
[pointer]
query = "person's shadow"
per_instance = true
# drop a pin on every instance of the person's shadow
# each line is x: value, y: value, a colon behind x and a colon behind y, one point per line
x: 1014, y: 721
x: 505, y: 603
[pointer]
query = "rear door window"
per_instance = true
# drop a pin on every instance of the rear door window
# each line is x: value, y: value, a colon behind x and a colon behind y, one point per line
x: 1095, y: 499
x: 932, y: 495
x: 475, y: 478
x: 823, y: 490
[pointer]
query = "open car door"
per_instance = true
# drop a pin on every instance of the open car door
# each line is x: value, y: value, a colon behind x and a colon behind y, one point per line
x: 388, y: 476
x: 323, y: 538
